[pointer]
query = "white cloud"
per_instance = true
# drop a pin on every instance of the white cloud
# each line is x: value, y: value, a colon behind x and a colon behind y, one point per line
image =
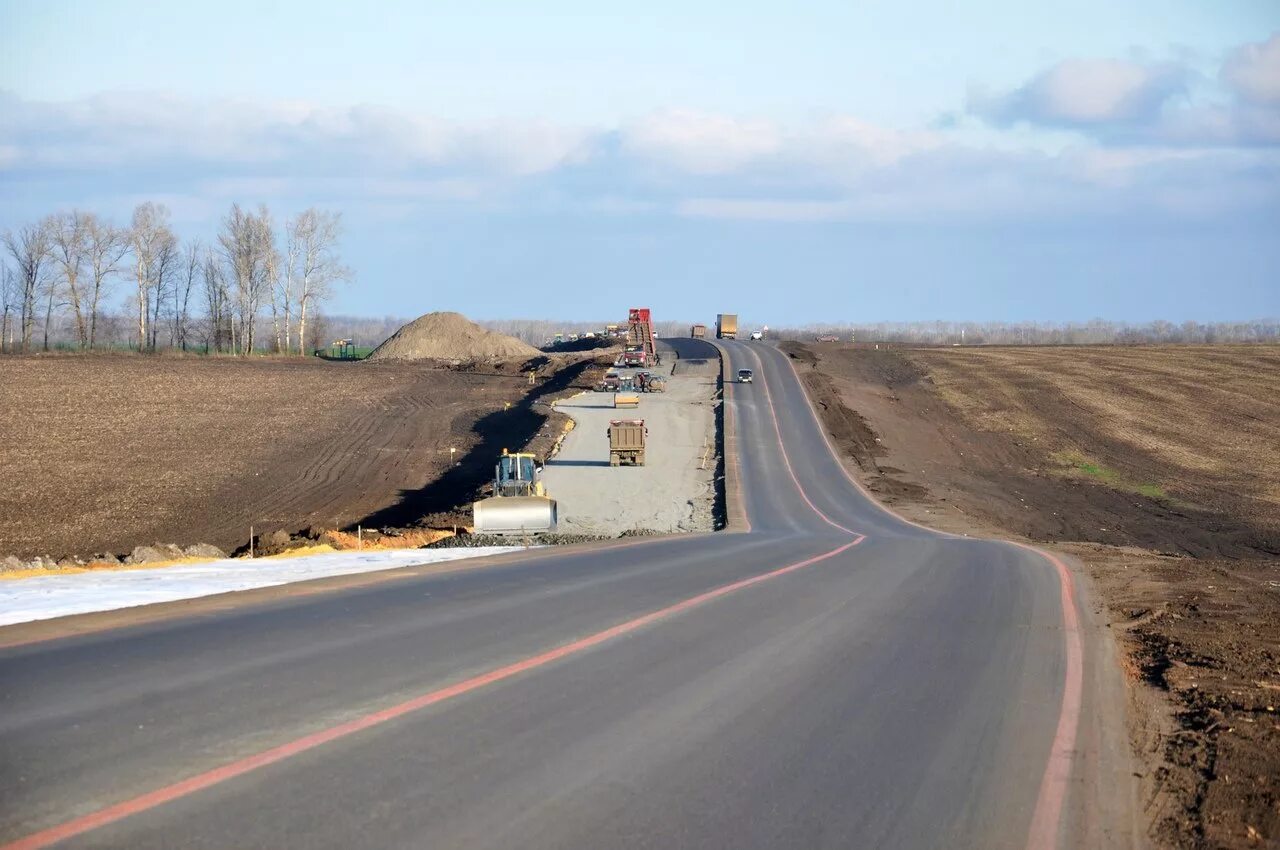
x: 764, y: 210
x: 699, y: 142
x: 1083, y: 92
x: 109, y: 151
x: 1253, y: 70
x: 1150, y: 104
x: 111, y: 129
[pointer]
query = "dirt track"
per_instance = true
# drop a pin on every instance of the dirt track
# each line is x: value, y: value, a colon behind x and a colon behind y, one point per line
x: 1155, y: 466
x: 113, y: 451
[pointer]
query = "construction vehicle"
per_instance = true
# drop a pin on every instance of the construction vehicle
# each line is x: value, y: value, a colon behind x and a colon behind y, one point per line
x: 698, y: 331
x: 727, y: 326
x: 633, y: 357
x: 640, y: 334
x: 519, y: 504
x: 626, y: 442
x: 615, y: 383
x: 612, y: 331
x: 647, y: 382
x: 629, y: 399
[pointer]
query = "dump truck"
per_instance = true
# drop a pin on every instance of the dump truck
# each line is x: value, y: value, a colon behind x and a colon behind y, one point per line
x: 698, y: 331
x: 626, y: 442
x: 727, y: 326
x: 629, y: 399
x: 519, y: 504
x: 632, y: 357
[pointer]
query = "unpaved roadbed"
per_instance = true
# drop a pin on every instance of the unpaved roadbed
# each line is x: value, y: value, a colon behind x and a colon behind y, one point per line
x: 672, y: 492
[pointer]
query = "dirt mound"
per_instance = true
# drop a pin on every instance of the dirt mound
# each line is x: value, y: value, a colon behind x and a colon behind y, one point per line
x: 449, y: 336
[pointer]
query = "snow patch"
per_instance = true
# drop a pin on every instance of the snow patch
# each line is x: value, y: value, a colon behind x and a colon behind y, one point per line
x: 45, y: 597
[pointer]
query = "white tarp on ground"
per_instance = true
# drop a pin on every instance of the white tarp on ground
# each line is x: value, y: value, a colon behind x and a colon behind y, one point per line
x: 45, y: 597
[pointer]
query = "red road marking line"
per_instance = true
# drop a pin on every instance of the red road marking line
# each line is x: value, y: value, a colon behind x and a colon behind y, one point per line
x: 218, y: 775
x: 1046, y: 819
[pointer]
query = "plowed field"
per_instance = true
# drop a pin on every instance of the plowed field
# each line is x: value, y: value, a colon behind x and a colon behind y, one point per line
x: 102, y: 453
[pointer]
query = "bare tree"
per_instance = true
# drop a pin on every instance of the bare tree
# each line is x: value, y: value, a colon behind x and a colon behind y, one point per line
x: 247, y: 245
x: 217, y: 301
x: 69, y: 247
x: 147, y: 236
x: 51, y: 288
x: 163, y: 272
x: 278, y: 286
x: 10, y: 295
x: 314, y: 265
x: 184, y: 284
x: 29, y: 248
x: 105, y: 248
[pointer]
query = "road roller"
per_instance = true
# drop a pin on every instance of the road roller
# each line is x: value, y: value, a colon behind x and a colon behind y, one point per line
x: 519, y: 504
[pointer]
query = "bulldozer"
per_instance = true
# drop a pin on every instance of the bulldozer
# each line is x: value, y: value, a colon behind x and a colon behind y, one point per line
x: 519, y: 504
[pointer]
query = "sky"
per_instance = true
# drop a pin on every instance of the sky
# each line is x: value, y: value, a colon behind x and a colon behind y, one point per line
x: 805, y: 162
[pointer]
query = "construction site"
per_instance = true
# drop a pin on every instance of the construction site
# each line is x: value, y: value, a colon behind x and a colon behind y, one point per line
x: 442, y: 414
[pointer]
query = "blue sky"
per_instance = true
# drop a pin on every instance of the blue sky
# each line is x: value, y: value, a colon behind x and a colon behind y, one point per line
x: 797, y: 162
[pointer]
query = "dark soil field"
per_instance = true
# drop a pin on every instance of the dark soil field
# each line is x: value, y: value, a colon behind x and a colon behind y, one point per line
x: 1158, y: 468
x: 103, y: 453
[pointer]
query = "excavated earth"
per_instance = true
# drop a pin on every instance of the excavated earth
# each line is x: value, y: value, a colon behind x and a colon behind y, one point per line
x: 1156, y: 467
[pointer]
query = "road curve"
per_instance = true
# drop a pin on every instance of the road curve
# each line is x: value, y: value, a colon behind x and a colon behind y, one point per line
x: 836, y: 677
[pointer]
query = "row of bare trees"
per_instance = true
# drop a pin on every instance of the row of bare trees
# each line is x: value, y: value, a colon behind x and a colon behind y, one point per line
x: 181, y: 293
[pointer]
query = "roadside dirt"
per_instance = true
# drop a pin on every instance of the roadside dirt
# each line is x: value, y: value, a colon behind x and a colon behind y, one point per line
x: 101, y: 453
x: 1157, y: 468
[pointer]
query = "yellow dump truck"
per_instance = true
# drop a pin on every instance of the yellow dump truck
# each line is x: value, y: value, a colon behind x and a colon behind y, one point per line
x: 626, y: 399
x: 698, y: 331
x: 626, y: 442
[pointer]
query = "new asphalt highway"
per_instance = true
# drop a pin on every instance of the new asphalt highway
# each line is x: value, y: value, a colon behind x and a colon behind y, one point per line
x: 823, y: 674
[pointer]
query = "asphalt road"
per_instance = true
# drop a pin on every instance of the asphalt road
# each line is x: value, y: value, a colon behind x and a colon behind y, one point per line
x: 834, y: 677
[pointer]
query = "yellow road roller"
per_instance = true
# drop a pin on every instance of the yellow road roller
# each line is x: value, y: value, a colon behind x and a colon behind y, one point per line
x: 519, y: 504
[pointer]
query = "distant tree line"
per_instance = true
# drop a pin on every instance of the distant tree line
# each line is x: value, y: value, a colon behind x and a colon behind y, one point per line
x: 372, y: 331
x: 1094, y: 332
x: 251, y: 289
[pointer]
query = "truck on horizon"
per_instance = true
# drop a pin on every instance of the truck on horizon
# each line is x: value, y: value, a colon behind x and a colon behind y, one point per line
x: 727, y: 326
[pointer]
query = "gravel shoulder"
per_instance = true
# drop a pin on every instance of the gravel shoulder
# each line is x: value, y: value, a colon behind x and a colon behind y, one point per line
x: 673, y: 492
